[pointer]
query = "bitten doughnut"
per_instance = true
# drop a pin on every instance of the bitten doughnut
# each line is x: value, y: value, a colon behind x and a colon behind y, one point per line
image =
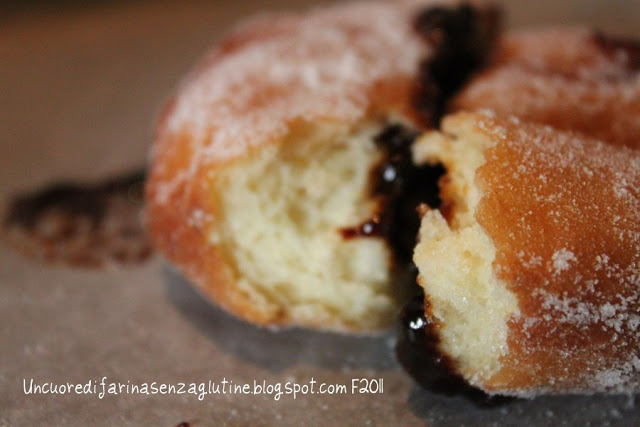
x: 277, y: 165
x: 531, y: 274
x: 571, y: 78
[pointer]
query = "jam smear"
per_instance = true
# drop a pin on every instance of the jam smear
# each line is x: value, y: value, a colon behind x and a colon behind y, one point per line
x: 81, y: 224
x: 436, y: 371
x: 463, y: 39
x: 400, y: 187
x: 417, y: 351
x: 625, y: 51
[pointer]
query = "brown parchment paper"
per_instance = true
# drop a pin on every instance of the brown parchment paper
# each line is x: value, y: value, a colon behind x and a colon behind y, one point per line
x: 79, y: 88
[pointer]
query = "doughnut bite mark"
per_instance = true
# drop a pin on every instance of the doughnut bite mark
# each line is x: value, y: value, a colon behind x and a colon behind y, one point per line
x: 532, y: 282
x: 265, y: 176
x: 573, y: 79
x: 265, y: 154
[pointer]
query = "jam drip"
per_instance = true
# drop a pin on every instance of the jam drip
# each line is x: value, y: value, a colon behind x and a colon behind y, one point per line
x: 417, y: 351
x: 625, y: 51
x: 80, y: 224
x: 463, y: 39
x: 400, y: 187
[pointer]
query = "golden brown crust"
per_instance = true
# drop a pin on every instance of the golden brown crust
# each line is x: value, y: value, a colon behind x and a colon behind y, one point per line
x: 563, y: 213
x: 572, y: 79
x: 341, y: 64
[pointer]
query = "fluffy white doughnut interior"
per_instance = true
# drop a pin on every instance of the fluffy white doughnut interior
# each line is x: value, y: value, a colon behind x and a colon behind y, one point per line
x: 455, y: 260
x: 283, y: 210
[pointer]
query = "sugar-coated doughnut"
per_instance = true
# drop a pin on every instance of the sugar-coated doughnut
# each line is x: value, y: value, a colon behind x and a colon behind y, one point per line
x: 260, y: 188
x: 571, y: 78
x: 531, y: 274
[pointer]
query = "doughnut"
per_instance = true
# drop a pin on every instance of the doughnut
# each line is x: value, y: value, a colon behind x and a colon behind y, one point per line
x: 282, y: 164
x: 531, y: 266
x: 287, y: 168
x: 570, y: 78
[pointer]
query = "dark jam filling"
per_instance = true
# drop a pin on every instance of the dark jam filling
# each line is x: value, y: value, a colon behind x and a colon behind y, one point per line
x: 624, y: 51
x: 81, y: 224
x: 88, y: 201
x: 463, y: 39
x: 417, y: 351
x: 400, y: 187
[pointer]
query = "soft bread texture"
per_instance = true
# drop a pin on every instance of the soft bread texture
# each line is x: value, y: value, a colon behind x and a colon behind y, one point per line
x: 455, y: 258
x: 570, y: 78
x: 533, y: 280
x: 281, y: 215
x: 264, y: 154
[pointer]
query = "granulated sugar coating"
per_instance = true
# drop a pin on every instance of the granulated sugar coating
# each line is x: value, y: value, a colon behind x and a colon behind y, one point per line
x: 564, y: 215
x: 265, y: 154
x: 332, y: 65
x: 573, y: 79
x: 272, y: 70
x: 532, y: 286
